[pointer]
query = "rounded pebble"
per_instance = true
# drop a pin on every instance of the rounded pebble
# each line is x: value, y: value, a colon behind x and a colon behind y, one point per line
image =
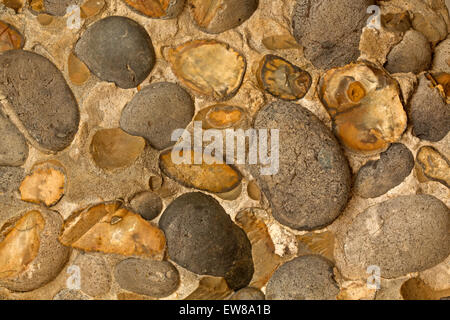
x: 377, y: 177
x: 153, y: 278
x: 147, y: 114
x: 196, y: 220
x: 147, y: 204
x: 312, y: 185
x: 304, y: 278
x: 248, y: 293
x: 42, y: 100
x: 117, y: 49
x: 441, y: 61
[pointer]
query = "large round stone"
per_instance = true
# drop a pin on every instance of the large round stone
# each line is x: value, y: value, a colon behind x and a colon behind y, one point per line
x: 156, y: 111
x: 401, y: 235
x: 312, y: 184
x: 40, y: 97
x: 304, y: 278
x: 330, y: 30
x: 202, y: 238
x: 117, y: 49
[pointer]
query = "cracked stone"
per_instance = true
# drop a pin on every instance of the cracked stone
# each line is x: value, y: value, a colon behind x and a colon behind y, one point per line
x: 434, y: 165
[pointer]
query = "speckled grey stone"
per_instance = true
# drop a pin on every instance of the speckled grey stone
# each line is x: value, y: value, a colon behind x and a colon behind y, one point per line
x: 313, y: 183
x: 13, y: 146
x: 153, y: 278
x: 196, y: 220
x: 377, y: 177
x: 156, y: 111
x: 304, y: 278
x: 95, y: 274
x: 10, y: 179
x: 401, y: 235
x: 441, y: 59
x: 117, y: 49
x: 330, y: 30
x: 147, y: 204
x: 42, y: 100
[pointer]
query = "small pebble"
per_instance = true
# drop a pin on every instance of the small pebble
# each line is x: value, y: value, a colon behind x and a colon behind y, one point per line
x: 304, y: 278
x: 377, y: 177
x: 248, y: 293
x: 13, y: 146
x: 253, y: 191
x: 10, y: 38
x: 78, y: 72
x: 434, y: 165
x: 152, y: 278
x: 222, y: 116
x: 146, y: 115
x: 59, y: 7
x: 117, y: 49
x: 147, y: 204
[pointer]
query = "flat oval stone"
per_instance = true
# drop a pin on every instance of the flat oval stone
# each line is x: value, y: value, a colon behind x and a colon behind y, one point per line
x: 147, y: 204
x: 304, y: 278
x: 13, y: 146
x: 42, y: 100
x: 218, y: 16
x: 401, y: 235
x: 282, y: 79
x: 117, y: 49
x: 312, y: 185
x: 376, y: 178
x: 146, y: 115
x: 196, y: 220
x: 208, y: 67
x: 429, y: 113
x: 152, y: 278
x: 330, y: 30
x: 164, y: 9
x: 412, y: 54
x: 10, y: 38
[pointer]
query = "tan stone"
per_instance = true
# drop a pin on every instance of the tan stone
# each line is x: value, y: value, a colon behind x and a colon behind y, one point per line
x: 114, y: 148
x: 10, y: 38
x: 46, y: 184
x: 78, y: 72
x: 253, y: 190
x: 417, y: 289
x: 319, y: 243
x: 434, y: 165
x: 208, y: 67
x: 91, y: 7
x: 222, y: 116
x: 109, y: 228
x: 44, y: 19
x: 280, y: 42
x: 157, y: 8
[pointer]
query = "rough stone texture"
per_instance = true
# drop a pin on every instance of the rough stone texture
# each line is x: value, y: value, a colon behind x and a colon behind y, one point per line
x: 42, y: 100
x: 401, y: 235
x: 153, y: 278
x: 49, y: 261
x: 304, y: 278
x: 196, y: 220
x: 377, y: 177
x: 313, y: 183
x: 111, y: 56
x: 13, y: 146
x: 219, y: 16
x: 156, y: 111
x: 95, y: 276
x: 429, y: 114
x: 10, y: 179
x: 412, y: 54
x: 330, y: 30
x: 70, y: 294
x: 441, y: 61
x: 147, y: 204
x: 59, y: 7
x: 248, y: 293
x: 163, y: 9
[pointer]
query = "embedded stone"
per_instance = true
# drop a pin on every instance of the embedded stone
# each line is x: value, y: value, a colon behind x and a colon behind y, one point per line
x: 10, y: 38
x: 59, y: 7
x: 396, y: 22
x: 253, y: 191
x: 114, y: 148
x: 412, y: 54
x: 206, y: 176
x: 434, y: 165
x: 282, y: 79
x: 91, y: 8
x: 429, y: 113
x: 152, y: 278
x: 401, y: 235
x: 218, y: 16
x: 11, y: 177
x: 78, y: 72
x: 146, y: 115
x: 109, y: 228
x: 30, y: 254
x: 210, y: 288
x: 222, y: 116
x: 208, y: 67
x: 46, y: 184
x: 147, y: 204
x: 95, y: 276
x: 441, y: 58
x: 377, y: 177
x: 304, y: 278
x: 330, y: 30
x: 42, y: 101
x: 317, y: 243
x: 196, y: 220
x: 70, y: 294
x: 13, y: 146
x: 365, y: 106
x: 248, y: 293
x: 117, y: 49
x: 164, y: 9
x: 312, y: 184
